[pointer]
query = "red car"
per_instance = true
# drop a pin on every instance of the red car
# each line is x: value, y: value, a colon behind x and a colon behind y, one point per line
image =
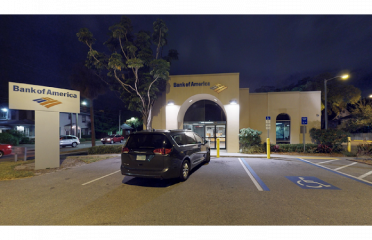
x: 5, y: 149
x: 112, y: 139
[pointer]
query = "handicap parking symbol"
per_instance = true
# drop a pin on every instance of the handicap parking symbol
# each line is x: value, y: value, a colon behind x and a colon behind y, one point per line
x: 307, y: 182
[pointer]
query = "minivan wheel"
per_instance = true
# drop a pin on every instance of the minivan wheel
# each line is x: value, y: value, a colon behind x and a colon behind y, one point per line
x: 185, y: 170
x: 112, y: 142
x: 1, y: 154
x: 74, y: 144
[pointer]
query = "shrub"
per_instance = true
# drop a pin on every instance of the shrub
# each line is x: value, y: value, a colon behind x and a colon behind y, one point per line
x: 255, y: 149
x: 330, y: 140
x: 249, y: 137
x: 364, y: 149
x: 25, y: 140
x: 82, y: 139
x: 105, y: 149
x: 8, y: 138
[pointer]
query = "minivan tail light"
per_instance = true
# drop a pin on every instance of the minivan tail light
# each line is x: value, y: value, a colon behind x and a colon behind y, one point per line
x: 125, y: 150
x: 162, y: 151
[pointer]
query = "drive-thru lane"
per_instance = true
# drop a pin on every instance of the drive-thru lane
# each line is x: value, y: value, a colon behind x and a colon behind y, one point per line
x: 218, y: 193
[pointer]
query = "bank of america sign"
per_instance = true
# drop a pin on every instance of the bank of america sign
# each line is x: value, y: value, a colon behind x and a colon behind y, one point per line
x: 218, y: 88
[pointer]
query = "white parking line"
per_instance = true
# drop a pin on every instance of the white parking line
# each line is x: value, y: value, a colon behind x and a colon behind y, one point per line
x: 327, y: 161
x: 251, y: 176
x: 344, y: 166
x: 100, y: 178
x: 365, y: 175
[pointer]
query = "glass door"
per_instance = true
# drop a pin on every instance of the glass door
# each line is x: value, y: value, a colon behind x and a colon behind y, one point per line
x: 221, y: 134
x: 283, y: 130
x: 210, y: 135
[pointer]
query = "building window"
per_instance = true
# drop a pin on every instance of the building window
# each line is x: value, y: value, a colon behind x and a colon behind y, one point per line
x: 3, y: 115
x: 84, y: 118
x: 283, y: 128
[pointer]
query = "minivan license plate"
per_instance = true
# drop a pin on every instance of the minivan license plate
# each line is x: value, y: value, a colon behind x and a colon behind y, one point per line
x: 141, y: 157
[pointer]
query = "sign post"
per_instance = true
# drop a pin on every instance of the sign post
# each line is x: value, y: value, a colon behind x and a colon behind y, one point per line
x: 303, y: 129
x: 47, y: 102
x: 268, y: 126
x: 21, y: 151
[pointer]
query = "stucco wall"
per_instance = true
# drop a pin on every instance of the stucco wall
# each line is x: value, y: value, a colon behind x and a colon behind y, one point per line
x: 295, y: 104
x: 244, y: 107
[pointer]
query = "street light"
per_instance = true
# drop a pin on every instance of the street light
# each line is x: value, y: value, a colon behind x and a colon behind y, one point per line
x: 344, y: 77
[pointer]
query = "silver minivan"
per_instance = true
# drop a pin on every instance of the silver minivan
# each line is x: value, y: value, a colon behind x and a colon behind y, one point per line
x: 69, y: 140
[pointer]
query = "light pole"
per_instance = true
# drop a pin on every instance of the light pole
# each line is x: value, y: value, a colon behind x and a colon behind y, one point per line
x: 325, y: 97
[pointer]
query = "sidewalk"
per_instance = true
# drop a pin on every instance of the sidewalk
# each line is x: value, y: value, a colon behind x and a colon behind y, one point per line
x: 223, y: 153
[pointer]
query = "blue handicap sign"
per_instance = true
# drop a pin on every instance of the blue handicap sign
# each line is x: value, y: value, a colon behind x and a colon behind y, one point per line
x: 304, y: 120
x: 268, y: 118
x: 307, y: 182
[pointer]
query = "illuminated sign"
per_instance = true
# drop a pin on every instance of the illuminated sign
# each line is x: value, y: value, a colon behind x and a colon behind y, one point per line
x: 192, y: 84
x: 218, y: 88
x: 33, y: 97
x: 47, y: 102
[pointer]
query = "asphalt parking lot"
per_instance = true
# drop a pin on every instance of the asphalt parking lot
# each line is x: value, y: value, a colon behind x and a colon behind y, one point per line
x: 227, y: 191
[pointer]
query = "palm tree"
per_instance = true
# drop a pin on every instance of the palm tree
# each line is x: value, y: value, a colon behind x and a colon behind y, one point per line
x: 90, y: 86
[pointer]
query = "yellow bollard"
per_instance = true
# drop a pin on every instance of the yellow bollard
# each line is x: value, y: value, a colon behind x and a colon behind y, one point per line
x: 349, y: 144
x: 268, y: 147
x: 218, y: 147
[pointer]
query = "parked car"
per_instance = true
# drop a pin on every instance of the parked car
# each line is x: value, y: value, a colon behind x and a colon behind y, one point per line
x: 112, y: 139
x: 163, y: 154
x: 5, y: 149
x: 69, y: 140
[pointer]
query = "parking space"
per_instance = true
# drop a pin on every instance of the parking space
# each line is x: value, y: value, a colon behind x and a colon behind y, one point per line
x: 226, y: 191
x: 351, y: 169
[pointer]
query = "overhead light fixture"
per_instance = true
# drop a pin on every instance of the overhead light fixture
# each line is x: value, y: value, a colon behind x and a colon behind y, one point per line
x: 215, y: 100
x: 170, y: 103
x: 233, y: 102
x: 190, y: 100
x: 4, y: 110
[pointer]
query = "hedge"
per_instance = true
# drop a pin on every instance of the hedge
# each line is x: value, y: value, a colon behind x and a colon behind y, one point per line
x: 7, y: 138
x: 283, y: 148
x: 309, y: 148
x: 105, y: 149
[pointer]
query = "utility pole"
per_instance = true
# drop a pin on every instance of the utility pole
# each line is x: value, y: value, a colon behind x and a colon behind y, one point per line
x: 119, y: 122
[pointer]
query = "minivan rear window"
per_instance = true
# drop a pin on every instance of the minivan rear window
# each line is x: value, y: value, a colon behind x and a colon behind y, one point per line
x: 148, y: 141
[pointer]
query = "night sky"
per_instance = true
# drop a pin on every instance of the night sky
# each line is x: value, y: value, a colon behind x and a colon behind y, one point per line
x: 266, y: 50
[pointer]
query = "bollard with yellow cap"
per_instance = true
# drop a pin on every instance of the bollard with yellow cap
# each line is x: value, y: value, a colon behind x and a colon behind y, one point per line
x: 268, y: 147
x: 218, y: 147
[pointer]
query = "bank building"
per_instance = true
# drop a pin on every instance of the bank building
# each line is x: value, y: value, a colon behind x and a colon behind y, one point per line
x: 214, y: 106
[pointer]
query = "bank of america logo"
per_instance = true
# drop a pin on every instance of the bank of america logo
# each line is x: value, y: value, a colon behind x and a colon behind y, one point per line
x: 218, y: 88
x: 47, y: 102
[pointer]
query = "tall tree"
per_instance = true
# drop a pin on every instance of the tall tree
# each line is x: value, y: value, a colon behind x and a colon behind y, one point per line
x: 90, y: 85
x: 339, y: 93
x: 139, y: 72
x: 361, y: 116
